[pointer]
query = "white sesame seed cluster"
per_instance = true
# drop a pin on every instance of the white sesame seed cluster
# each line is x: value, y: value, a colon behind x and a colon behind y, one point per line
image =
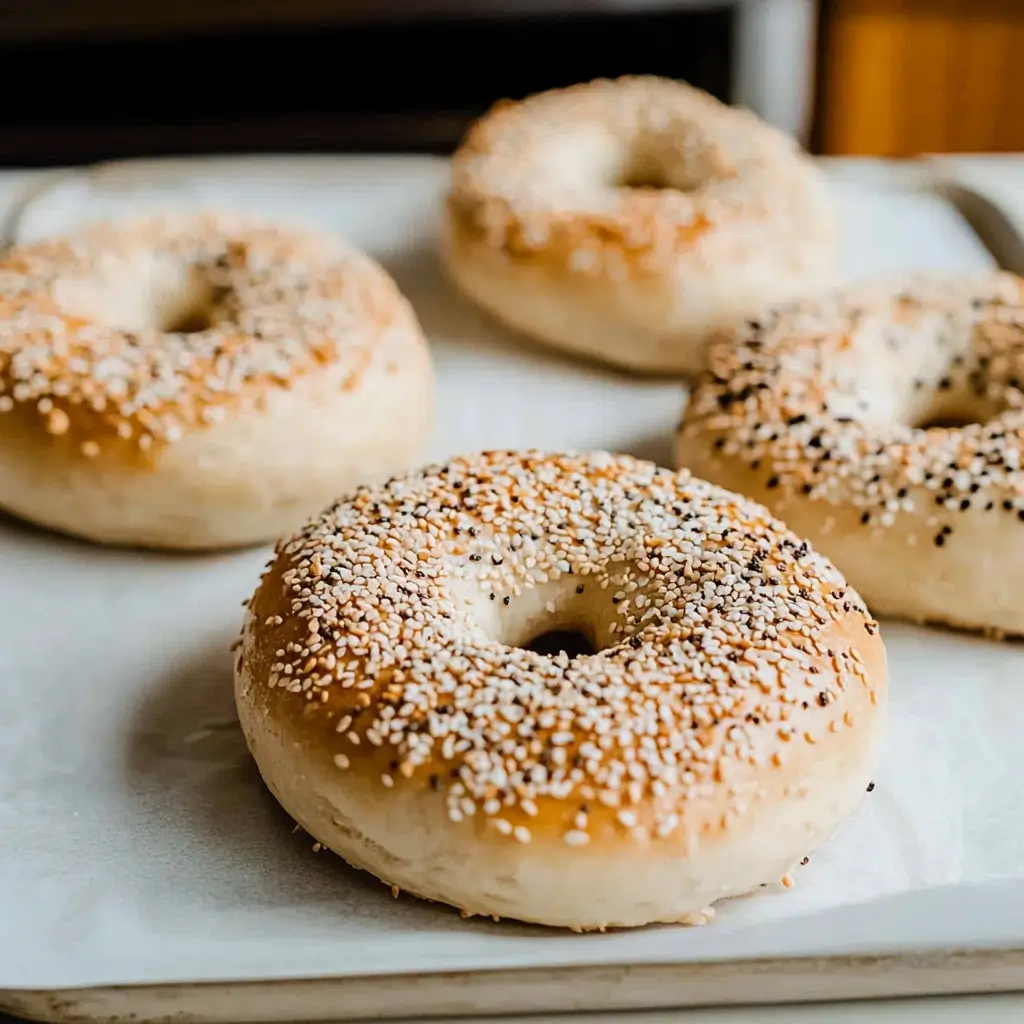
x: 281, y: 302
x: 554, y: 173
x: 834, y: 400
x: 629, y: 220
x: 726, y: 640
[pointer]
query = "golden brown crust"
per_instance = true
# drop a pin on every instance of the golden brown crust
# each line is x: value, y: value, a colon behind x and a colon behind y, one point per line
x: 201, y: 382
x: 836, y: 414
x: 276, y: 302
x: 629, y: 220
x: 518, y: 185
x: 735, y: 659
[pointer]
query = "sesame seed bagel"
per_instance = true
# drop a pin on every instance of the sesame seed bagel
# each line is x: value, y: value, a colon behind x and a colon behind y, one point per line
x: 886, y: 423
x: 627, y: 220
x: 201, y: 381
x: 724, y: 726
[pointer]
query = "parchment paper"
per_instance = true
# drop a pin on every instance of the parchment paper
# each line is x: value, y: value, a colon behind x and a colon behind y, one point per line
x: 136, y: 841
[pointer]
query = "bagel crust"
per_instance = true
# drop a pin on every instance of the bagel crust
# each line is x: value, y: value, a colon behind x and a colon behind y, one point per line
x: 201, y: 381
x: 628, y: 220
x: 726, y: 725
x: 885, y: 422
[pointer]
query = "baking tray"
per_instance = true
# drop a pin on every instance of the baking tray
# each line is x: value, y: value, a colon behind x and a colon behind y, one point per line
x: 988, y: 188
x: 146, y: 873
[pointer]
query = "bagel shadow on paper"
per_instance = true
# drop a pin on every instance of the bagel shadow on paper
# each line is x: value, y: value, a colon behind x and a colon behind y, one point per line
x: 656, y: 448
x: 23, y: 532
x: 442, y: 312
x: 51, y: 542
x: 197, y: 789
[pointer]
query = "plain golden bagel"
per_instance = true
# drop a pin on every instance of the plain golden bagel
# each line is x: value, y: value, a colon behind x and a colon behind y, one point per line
x: 392, y: 691
x: 885, y: 422
x: 628, y: 220
x: 201, y: 381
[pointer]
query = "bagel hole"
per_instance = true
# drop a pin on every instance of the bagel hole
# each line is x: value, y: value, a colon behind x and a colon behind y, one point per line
x: 157, y: 296
x: 184, y: 306
x: 948, y: 421
x: 573, y: 642
x: 951, y: 412
x: 951, y: 400
x: 643, y: 177
x: 188, y: 321
x: 654, y: 171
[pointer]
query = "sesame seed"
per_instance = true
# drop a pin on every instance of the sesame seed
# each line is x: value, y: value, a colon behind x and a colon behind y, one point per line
x: 276, y: 303
x: 501, y: 187
x: 816, y: 412
x: 57, y: 421
x: 721, y: 625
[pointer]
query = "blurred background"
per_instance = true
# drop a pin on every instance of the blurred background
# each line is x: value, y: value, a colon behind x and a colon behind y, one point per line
x: 88, y: 80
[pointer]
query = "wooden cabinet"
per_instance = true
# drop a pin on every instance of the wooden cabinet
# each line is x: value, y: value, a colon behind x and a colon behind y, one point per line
x: 903, y: 77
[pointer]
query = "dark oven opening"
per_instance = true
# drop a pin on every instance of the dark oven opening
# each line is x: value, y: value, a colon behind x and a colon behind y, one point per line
x: 402, y: 84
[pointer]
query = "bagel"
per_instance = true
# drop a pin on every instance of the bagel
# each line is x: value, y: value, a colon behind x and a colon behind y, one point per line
x: 885, y: 422
x: 724, y: 725
x: 201, y: 381
x: 628, y: 220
